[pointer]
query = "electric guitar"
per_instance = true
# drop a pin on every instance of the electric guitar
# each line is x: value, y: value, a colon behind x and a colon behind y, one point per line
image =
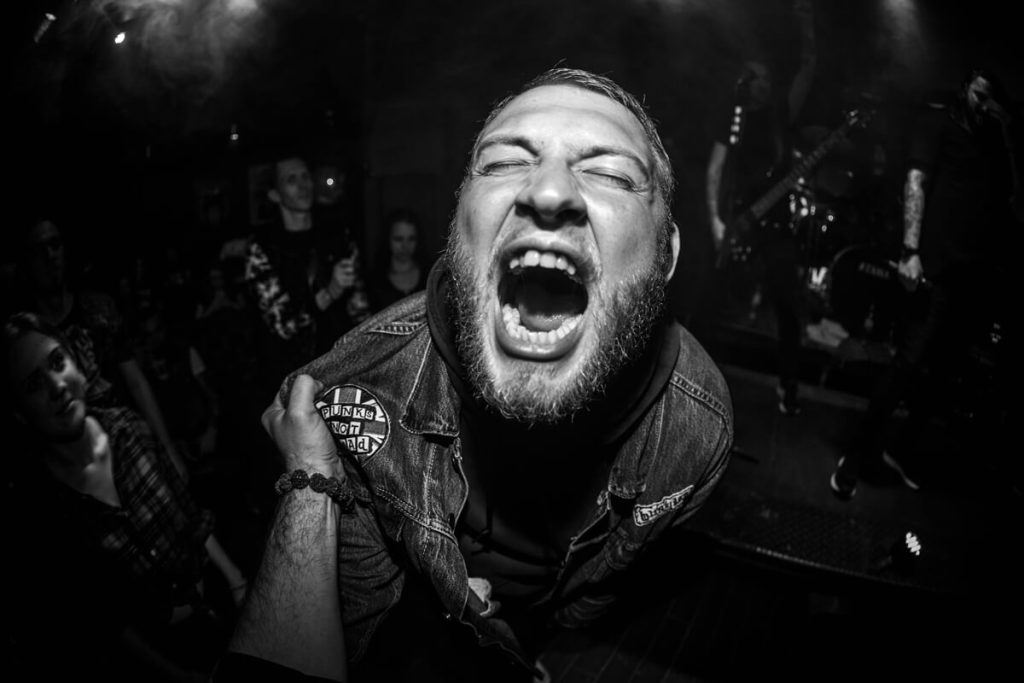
x: 736, y: 243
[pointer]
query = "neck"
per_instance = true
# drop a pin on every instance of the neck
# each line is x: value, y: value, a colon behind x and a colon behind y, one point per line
x: 402, y: 264
x: 72, y: 456
x: 296, y: 221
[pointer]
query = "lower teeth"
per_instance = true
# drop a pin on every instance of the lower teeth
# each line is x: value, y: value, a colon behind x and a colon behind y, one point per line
x: 517, y: 330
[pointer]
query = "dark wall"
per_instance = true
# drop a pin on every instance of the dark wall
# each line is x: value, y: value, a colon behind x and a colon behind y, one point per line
x: 125, y: 143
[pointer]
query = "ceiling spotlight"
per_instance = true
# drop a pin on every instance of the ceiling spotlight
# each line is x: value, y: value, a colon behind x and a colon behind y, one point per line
x: 43, y: 27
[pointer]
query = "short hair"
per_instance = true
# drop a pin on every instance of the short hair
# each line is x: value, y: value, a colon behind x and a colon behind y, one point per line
x: 996, y: 85
x: 960, y: 107
x: 602, y: 85
x: 274, y: 153
x: 288, y: 156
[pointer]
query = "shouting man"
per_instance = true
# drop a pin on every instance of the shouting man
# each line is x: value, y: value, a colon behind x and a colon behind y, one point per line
x: 491, y: 456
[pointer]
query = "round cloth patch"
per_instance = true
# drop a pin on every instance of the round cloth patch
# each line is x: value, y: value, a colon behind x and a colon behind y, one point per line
x: 356, y: 418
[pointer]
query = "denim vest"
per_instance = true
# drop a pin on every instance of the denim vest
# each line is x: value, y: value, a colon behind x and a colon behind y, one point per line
x: 395, y: 415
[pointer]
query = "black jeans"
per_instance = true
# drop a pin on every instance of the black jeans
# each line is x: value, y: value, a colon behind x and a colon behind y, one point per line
x: 783, y: 288
x: 942, y: 322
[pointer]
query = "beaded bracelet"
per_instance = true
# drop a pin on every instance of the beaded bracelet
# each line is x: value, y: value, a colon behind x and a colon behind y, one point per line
x: 300, y: 479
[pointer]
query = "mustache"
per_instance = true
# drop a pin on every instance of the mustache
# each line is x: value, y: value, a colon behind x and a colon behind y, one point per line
x: 624, y: 322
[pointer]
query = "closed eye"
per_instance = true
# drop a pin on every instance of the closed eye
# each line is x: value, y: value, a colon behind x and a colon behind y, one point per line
x: 611, y: 178
x: 502, y: 166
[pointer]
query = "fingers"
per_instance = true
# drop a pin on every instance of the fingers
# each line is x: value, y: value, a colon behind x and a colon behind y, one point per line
x: 301, y: 398
x: 304, y: 389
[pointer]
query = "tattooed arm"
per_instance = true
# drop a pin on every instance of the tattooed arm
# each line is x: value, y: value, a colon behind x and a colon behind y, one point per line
x: 716, y: 163
x: 910, y: 269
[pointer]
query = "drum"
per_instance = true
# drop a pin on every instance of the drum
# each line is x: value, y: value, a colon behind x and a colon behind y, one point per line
x: 863, y: 292
x: 822, y: 229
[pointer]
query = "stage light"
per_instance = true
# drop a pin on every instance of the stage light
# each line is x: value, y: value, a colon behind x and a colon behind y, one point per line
x: 44, y: 26
x: 241, y: 6
x: 119, y: 38
x: 234, y: 133
x: 330, y: 182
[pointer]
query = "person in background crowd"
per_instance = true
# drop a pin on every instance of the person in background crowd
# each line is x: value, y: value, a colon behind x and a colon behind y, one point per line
x: 401, y: 269
x: 118, y: 569
x: 304, y: 278
x: 94, y: 329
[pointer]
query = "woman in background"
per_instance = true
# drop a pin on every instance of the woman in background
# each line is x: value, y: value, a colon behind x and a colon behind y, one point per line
x: 401, y: 269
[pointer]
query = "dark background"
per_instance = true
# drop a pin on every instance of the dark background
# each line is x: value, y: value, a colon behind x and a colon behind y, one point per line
x: 128, y: 145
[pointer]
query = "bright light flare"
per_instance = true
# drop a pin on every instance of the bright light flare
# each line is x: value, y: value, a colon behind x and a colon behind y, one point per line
x: 119, y: 38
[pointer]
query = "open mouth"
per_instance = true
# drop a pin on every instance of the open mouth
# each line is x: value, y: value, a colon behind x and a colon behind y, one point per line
x: 543, y: 297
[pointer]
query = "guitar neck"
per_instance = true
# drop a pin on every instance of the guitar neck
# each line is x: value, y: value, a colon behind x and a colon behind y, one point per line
x: 759, y: 208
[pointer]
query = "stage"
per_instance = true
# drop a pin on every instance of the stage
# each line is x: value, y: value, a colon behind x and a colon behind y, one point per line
x: 777, y: 577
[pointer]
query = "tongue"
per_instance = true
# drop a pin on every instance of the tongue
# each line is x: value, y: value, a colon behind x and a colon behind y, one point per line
x: 540, y: 310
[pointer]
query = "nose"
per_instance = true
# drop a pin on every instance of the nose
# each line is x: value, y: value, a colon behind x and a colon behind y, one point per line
x: 56, y: 383
x: 552, y: 196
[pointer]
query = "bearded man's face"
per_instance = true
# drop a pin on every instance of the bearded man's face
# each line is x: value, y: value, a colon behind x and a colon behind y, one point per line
x: 559, y: 252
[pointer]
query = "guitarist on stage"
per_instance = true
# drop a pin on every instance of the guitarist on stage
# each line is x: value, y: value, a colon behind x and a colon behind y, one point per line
x: 754, y: 142
x: 962, y: 211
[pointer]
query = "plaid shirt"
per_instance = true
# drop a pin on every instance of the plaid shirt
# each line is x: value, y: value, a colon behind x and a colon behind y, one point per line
x: 158, y: 533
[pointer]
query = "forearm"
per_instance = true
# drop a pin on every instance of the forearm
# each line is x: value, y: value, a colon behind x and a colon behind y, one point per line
x: 913, y: 208
x: 284, y: 316
x: 713, y: 180
x: 293, y: 614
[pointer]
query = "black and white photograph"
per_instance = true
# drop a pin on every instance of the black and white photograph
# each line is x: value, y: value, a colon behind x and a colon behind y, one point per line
x: 545, y: 341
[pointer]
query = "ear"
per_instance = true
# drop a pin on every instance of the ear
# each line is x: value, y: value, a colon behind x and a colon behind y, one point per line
x: 274, y: 195
x: 673, y: 245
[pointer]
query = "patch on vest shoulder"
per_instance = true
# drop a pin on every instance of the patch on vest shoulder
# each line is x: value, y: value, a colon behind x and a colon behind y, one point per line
x: 646, y: 514
x: 356, y: 418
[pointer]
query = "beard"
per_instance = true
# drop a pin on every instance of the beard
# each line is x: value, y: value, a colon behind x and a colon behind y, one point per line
x: 530, y: 393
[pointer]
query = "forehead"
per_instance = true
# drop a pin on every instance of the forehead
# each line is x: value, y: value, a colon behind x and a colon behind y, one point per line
x: 288, y: 167
x: 403, y: 228
x: 27, y: 353
x: 571, y: 114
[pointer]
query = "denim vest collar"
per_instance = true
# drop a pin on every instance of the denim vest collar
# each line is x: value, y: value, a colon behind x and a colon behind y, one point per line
x: 433, y: 405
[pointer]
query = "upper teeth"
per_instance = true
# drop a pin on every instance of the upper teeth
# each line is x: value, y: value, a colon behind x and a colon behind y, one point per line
x: 545, y: 259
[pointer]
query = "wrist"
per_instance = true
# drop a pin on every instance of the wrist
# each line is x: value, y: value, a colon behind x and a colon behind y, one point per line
x: 305, y: 481
x: 907, y: 251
